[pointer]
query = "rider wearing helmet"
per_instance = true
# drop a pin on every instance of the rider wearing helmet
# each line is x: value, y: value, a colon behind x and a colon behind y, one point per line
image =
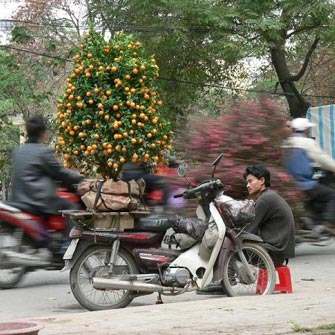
x: 301, y: 155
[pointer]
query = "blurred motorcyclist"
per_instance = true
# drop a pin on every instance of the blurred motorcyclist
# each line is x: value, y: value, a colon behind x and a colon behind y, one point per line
x: 153, y: 182
x: 37, y: 173
x: 301, y: 155
x: 154, y: 176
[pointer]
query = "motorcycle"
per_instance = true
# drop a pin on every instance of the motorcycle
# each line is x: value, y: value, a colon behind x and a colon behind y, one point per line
x: 310, y: 229
x: 109, y: 268
x: 29, y: 242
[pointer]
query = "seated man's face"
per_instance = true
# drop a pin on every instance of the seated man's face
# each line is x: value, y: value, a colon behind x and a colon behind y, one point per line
x: 255, y: 185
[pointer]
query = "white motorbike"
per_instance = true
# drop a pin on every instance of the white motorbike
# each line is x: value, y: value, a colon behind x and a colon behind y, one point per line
x: 110, y: 268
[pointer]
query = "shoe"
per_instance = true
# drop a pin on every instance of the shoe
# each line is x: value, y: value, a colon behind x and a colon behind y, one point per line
x: 212, y: 289
x: 43, y: 254
x: 76, y: 232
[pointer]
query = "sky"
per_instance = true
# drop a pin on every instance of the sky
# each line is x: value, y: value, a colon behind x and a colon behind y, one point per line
x: 7, y: 8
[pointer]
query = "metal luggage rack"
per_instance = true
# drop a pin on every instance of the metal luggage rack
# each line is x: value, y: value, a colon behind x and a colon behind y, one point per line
x: 100, y: 221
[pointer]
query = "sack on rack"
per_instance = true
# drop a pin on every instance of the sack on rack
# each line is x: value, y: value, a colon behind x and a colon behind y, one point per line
x: 237, y: 212
x: 109, y: 195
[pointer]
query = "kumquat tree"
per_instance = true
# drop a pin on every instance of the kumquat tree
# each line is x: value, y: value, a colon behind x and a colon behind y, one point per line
x: 110, y: 112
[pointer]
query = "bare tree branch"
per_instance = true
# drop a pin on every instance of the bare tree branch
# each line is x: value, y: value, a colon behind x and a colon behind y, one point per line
x: 307, y: 59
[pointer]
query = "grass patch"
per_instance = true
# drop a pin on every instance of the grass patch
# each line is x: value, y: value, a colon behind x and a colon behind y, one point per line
x: 322, y: 329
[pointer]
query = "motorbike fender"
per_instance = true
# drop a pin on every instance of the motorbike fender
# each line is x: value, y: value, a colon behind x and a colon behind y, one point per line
x: 232, y: 242
x: 80, y: 248
x: 218, y: 266
x: 246, y: 236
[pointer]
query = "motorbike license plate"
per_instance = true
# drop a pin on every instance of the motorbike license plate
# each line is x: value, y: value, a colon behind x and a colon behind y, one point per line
x: 71, y: 249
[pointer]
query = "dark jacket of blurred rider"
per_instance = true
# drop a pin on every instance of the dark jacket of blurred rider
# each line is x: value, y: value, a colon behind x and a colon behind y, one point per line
x: 37, y: 173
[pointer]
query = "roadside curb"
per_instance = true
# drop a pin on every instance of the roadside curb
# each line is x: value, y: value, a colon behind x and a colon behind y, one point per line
x: 275, y: 314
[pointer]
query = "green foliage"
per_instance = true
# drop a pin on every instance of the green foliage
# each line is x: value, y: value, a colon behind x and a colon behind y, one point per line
x: 21, y: 35
x: 18, y: 94
x: 318, y: 330
x: 9, y: 139
x: 184, y: 40
x: 202, y: 39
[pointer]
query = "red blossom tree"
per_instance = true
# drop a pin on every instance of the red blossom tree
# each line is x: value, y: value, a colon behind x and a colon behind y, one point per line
x: 251, y: 132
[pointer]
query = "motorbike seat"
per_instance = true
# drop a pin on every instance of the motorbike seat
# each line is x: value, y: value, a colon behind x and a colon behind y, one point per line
x: 154, y: 223
x: 17, y: 206
x: 8, y: 207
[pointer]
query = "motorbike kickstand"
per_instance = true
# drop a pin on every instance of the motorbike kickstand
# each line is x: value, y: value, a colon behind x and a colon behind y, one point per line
x: 159, y: 299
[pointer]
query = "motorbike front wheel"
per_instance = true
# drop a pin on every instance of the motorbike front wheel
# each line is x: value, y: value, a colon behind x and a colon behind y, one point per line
x: 236, y: 279
x: 94, y: 263
x: 9, y: 276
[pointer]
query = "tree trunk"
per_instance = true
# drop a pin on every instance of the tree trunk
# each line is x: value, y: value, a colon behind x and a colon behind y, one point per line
x: 3, y: 190
x: 297, y: 104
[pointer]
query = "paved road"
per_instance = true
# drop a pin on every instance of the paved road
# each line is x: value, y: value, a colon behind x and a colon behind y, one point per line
x: 45, y: 293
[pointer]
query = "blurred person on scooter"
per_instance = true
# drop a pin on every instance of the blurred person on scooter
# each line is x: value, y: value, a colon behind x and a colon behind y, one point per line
x: 301, y: 155
x: 154, y: 179
x: 37, y: 172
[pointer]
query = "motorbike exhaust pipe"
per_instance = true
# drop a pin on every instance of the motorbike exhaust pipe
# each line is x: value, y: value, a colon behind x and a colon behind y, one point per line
x: 10, y: 259
x: 115, y: 284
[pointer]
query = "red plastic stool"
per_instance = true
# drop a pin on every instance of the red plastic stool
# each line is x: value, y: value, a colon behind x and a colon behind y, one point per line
x: 285, y: 283
x: 284, y: 276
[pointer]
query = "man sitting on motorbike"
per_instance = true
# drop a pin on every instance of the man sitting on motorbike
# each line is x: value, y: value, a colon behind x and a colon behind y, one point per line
x: 37, y: 172
x: 301, y: 155
x: 274, y: 221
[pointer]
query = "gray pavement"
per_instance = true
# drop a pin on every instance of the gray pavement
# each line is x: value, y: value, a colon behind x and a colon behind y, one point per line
x: 311, y: 305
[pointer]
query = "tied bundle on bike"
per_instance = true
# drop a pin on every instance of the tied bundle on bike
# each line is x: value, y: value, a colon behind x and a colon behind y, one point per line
x: 188, y: 231
x: 238, y: 212
x: 109, y: 195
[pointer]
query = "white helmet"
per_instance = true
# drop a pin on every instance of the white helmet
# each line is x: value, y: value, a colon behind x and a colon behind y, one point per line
x: 301, y: 124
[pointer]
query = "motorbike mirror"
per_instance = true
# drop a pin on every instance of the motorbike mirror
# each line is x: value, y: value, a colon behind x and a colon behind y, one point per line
x: 216, y: 163
x: 217, y: 160
x: 182, y: 168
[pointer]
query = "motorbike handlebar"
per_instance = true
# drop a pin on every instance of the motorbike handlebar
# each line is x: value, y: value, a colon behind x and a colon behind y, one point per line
x: 215, y: 185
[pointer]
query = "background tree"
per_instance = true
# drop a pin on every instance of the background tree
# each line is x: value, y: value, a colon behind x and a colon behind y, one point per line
x: 9, y: 139
x: 201, y: 45
x: 178, y: 33
x: 43, y: 36
x: 202, y: 38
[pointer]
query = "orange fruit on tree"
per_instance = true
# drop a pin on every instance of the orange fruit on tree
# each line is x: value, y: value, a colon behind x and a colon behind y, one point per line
x: 91, y: 135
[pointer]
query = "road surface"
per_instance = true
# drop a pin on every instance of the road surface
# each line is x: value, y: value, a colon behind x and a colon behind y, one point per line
x: 47, y: 293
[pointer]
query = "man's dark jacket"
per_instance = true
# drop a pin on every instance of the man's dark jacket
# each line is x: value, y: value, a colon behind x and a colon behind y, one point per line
x: 274, y: 223
x: 35, y: 177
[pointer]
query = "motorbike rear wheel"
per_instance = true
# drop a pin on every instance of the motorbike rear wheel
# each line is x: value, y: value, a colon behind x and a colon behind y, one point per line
x: 236, y: 281
x: 94, y: 263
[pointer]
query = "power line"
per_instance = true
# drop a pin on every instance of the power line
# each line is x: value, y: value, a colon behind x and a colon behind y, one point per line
x: 154, y: 29
x: 181, y: 81
x: 35, y: 53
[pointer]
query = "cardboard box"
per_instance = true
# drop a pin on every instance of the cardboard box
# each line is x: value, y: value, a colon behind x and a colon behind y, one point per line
x: 112, y: 222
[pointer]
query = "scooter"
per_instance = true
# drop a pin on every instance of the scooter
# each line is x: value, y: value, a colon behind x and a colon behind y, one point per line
x: 29, y: 242
x: 309, y: 227
x: 111, y: 267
